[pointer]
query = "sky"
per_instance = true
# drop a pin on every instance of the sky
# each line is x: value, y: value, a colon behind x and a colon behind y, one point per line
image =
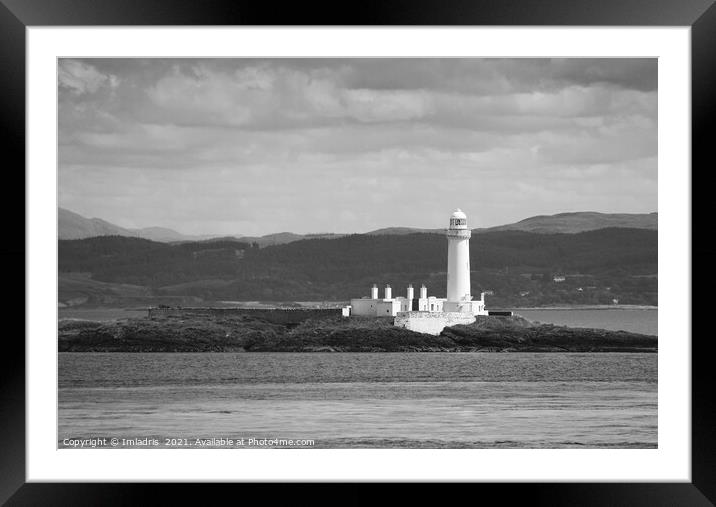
x: 259, y: 146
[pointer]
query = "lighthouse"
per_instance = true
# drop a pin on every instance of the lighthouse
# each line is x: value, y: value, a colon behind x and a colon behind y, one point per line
x: 459, y: 297
x: 458, y: 268
x: 430, y: 314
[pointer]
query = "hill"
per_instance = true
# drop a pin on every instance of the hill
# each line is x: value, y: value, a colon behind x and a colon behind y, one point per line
x: 73, y: 226
x: 518, y: 268
x: 70, y: 225
x: 77, y: 289
x: 391, y: 231
x: 570, y: 223
x: 565, y: 223
x: 281, y: 238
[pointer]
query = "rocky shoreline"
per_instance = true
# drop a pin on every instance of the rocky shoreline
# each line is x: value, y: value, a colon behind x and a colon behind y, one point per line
x: 336, y: 334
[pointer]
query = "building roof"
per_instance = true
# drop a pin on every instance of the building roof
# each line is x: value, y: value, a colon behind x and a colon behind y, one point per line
x: 458, y: 213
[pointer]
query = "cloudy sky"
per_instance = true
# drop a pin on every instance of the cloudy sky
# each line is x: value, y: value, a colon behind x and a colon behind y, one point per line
x: 253, y: 146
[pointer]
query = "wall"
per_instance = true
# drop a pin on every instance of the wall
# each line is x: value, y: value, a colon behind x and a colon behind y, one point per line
x: 430, y: 322
x: 474, y: 307
x: 430, y: 304
x: 376, y: 307
x: 364, y: 306
x: 407, y: 305
x: 387, y: 308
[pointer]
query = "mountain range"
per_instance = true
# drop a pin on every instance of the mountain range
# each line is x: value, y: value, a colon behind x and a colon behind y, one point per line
x: 570, y: 223
x: 70, y: 225
x: 74, y: 226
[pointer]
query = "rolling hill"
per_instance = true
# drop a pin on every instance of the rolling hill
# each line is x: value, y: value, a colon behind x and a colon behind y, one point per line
x: 571, y: 223
x: 74, y: 226
x: 70, y: 225
x: 565, y: 223
x: 516, y: 266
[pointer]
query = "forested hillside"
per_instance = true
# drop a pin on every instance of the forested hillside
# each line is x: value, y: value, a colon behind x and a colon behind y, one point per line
x: 518, y: 267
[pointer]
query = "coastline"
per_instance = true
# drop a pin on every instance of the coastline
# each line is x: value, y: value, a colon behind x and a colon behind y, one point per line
x: 588, y: 307
x: 331, y: 304
x: 337, y: 334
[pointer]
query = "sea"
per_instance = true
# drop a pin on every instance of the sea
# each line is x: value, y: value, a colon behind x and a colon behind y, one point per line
x: 367, y: 400
x: 642, y: 320
x: 357, y: 400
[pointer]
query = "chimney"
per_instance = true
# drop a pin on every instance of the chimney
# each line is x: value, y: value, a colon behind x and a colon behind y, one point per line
x: 423, y: 292
x: 388, y: 292
x: 374, y: 292
x: 410, y: 294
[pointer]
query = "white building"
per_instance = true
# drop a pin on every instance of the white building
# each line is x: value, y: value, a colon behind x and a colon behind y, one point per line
x: 388, y: 306
x: 429, y: 313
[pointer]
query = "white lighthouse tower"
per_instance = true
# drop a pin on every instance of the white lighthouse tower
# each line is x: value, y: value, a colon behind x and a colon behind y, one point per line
x: 459, y: 298
x: 458, y: 268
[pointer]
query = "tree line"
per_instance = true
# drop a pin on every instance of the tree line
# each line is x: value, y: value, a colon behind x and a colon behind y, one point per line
x: 508, y: 262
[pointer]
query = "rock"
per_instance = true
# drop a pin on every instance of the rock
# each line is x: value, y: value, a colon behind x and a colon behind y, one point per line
x: 197, y: 334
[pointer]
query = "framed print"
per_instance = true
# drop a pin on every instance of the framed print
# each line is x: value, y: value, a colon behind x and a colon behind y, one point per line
x: 427, y: 247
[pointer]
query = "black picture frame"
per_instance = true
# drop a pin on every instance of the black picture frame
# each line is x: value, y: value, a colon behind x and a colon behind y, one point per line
x: 16, y: 15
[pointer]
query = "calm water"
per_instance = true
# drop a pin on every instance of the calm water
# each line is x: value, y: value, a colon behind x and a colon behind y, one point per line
x: 635, y: 321
x: 455, y: 400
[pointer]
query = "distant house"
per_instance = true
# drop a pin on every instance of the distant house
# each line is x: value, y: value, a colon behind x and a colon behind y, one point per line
x: 524, y: 293
x: 558, y: 279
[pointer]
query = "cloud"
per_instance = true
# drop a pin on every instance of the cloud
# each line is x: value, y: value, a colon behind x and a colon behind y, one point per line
x: 212, y: 145
x: 493, y: 75
x: 81, y: 78
x: 381, y: 106
x: 272, y: 97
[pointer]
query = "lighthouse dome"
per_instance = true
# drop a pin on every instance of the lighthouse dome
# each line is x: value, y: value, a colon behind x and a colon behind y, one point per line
x: 458, y: 213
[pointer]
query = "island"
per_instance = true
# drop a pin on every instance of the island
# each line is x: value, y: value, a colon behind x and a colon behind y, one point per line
x: 256, y: 332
